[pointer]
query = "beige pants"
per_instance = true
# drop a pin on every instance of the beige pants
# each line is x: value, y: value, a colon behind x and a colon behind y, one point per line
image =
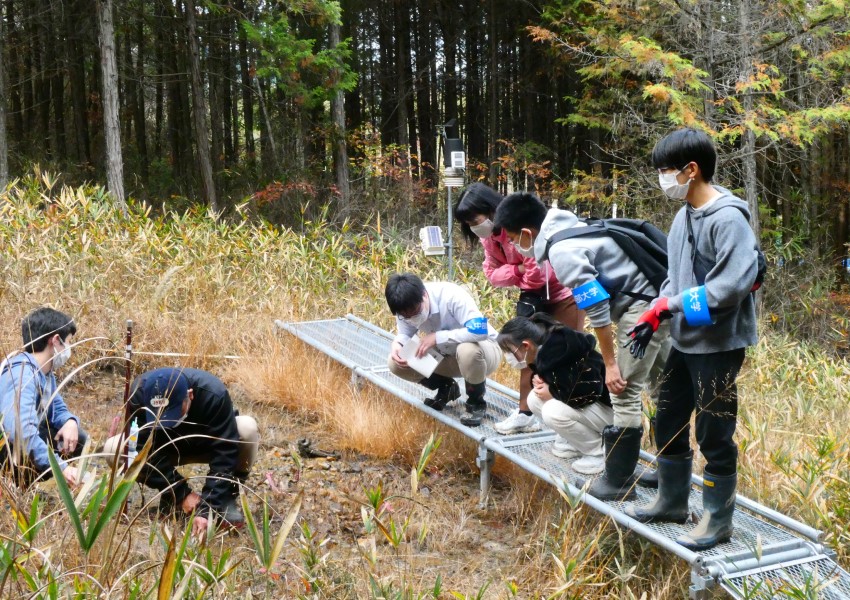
x: 581, y: 427
x: 249, y: 436
x: 473, y: 361
x: 640, y: 374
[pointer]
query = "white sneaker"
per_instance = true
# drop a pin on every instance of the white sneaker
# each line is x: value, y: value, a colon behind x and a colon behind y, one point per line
x: 517, y: 423
x: 563, y: 449
x: 589, y: 464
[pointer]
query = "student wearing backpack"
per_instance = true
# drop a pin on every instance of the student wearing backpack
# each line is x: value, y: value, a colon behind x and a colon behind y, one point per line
x: 504, y: 267
x: 713, y: 266
x: 610, y: 287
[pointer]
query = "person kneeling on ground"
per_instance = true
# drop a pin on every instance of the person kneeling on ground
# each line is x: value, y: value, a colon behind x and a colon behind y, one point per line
x: 569, y: 393
x: 36, y: 421
x: 190, y: 415
x: 453, y: 327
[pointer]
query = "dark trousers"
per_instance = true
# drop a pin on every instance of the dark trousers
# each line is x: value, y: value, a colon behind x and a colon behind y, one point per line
x: 704, y: 383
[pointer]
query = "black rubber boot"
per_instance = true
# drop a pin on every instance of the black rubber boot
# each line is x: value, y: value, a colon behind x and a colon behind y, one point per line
x: 647, y: 476
x: 447, y: 390
x: 622, y: 448
x: 718, y: 503
x: 674, y: 487
x: 231, y: 515
x: 476, y: 406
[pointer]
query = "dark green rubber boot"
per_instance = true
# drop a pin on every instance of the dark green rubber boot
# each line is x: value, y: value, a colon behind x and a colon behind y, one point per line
x: 674, y: 487
x: 718, y: 503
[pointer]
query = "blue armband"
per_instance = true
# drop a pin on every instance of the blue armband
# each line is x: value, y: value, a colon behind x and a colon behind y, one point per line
x: 589, y: 294
x: 695, y: 305
x: 477, y: 326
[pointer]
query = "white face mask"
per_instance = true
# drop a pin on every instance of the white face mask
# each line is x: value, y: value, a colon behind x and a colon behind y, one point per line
x: 671, y: 187
x: 483, y: 230
x: 60, y: 358
x: 514, y: 362
x: 418, y: 319
x: 526, y: 252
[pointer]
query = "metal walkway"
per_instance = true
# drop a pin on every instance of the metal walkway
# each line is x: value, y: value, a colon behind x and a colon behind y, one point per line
x: 769, y: 556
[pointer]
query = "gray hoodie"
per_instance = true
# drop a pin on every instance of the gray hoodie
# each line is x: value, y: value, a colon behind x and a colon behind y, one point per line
x: 580, y: 260
x: 724, y: 237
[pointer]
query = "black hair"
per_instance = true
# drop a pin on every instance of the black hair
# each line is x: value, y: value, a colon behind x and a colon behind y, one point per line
x: 404, y: 292
x: 677, y: 149
x: 41, y: 324
x: 477, y: 199
x: 535, y: 328
x: 520, y: 210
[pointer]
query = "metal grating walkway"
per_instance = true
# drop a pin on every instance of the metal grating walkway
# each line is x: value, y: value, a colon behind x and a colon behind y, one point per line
x: 769, y: 556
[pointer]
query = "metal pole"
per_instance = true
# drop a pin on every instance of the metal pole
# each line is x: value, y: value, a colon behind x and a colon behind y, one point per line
x: 449, y: 235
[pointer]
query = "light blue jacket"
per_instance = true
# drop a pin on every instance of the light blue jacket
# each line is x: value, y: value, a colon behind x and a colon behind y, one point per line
x: 26, y: 397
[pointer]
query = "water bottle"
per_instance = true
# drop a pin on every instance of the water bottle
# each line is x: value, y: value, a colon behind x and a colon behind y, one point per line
x: 131, y: 443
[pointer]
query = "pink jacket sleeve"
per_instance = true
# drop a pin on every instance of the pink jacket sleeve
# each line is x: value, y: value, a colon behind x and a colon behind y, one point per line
x: 501, y: 262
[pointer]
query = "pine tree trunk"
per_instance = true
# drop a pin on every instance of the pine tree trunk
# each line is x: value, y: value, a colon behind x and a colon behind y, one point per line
x: 111, y: 126
x: 247, y: 76
x: 340, y: 146
x: 424, y: 54
x: 77, y: 76
x: 199, y: 110
x: 748, y: 143
x: 139, y: 120
x: 4, y: 141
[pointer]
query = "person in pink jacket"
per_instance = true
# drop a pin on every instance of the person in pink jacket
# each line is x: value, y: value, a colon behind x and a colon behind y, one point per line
x: 540, y: 290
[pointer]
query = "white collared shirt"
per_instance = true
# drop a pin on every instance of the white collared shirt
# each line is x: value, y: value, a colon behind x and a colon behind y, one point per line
x: 451, y: 308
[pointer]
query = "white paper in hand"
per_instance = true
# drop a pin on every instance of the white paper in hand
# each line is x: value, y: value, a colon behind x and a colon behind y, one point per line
x: 425, y: 365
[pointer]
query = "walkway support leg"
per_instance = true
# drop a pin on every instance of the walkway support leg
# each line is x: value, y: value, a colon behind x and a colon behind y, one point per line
x: 701, y: 584
x: 484, y: 462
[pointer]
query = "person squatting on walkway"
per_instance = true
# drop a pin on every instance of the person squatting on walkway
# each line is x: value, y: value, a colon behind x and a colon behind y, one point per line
x: 453, y: 327
x: 540, y: 290
x: 599, y: 273
x: 569, y: 393
x: 713, y: 263
x: 191, y: 418
x: 36, y: 420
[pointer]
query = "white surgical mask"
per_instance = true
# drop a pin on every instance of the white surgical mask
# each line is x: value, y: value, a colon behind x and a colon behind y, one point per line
x: 671, y: 187
x: 514, y: 362
x: 483, y: 230
x: 526, y: 252
x: 60, y: 358
x: 419, y: 318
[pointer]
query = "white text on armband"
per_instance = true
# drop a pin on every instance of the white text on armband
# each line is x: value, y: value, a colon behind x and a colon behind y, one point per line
x: 477, y: 326
x: 695, y: 305
x: 589, y: 294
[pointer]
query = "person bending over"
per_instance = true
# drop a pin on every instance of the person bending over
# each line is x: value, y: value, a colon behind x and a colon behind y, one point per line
x: 451, y: 325
x: 190, y: 416
x: 607, y: 284
x: 540, y: 290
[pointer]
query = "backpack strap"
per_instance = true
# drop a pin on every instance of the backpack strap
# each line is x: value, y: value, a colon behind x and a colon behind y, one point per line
x: 594, y: 227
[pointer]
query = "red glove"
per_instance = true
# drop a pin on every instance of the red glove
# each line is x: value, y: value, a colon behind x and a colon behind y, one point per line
x: 655, y: 315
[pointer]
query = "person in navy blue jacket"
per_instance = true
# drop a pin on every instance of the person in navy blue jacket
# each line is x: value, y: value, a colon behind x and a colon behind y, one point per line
x: 36, y: 421
x: 190, y: 416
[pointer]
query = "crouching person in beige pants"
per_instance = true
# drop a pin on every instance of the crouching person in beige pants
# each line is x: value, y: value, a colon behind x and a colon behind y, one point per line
x: 452, y: 327
x: 190, y: 416
x: 569, y: 393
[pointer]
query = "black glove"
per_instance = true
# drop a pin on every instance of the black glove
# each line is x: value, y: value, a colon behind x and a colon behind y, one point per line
x: 641, y: 335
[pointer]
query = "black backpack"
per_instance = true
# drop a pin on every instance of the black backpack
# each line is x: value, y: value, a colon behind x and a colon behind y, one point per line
x: 642, y: 242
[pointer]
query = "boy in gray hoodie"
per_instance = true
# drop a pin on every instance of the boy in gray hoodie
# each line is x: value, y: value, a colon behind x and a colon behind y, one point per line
x: 602, y: 278
x: 712, y: 270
